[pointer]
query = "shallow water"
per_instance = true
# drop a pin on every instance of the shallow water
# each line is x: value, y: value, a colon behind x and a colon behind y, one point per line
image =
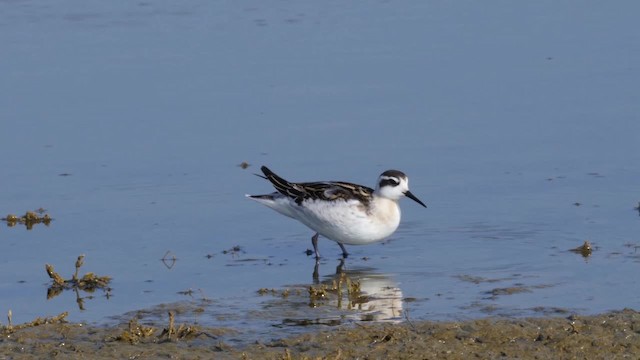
x: 127, y: 123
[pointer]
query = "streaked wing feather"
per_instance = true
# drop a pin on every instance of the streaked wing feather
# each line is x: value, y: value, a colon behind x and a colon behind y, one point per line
x: 333, y: 190
x: 327, y: 190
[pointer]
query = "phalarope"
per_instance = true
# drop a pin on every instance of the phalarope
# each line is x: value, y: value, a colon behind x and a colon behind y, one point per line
x: 340, y: 211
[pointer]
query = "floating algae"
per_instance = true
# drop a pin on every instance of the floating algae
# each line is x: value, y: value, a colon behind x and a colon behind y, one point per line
x: 29, y: 219
x: 585, y: 249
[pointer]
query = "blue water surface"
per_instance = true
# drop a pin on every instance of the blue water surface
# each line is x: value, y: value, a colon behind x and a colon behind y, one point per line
x: 517, y: 123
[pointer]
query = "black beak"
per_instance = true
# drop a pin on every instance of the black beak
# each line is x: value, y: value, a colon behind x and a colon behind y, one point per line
x: 414, y: 198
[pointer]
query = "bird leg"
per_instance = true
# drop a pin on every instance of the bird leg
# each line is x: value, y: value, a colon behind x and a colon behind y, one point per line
x: 316, y: 273
x: 314, y: 241
x: 340, y: 268
x: 344, y: 251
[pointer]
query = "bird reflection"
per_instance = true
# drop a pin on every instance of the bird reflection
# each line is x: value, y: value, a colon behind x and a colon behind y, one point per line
x: 376, y: 296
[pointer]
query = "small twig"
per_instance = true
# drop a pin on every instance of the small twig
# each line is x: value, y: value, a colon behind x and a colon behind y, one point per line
x: 172, y: 329
x: 79, y: 263
x: 406, y: 317
x: 79, y: 300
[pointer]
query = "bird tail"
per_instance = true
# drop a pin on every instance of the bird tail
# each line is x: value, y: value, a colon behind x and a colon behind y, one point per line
x: 275, y: 201
x: 282, y: 185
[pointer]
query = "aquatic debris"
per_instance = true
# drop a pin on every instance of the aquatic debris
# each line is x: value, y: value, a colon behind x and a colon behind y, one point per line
x: 282, y: 293
x: 186, y: 292
x: 317, y: 293
x: 10, y: 328
x: 550, y: 310
x: 637, y: 208
x: 507, y: 291
x: 517, y: 288
x: 311, y: 322
x: 244, y: 165
x: 89, y: 282
x: 169, y: 260
x: 135, y: 332
x: 585, y: 249
x: 183, y: 332
x: 478, y: 279
x: 191, y: 292
x: 234, y: 250
x: 29, y: 219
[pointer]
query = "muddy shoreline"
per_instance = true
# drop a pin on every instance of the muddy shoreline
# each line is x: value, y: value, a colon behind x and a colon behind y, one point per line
x: 610, y: 335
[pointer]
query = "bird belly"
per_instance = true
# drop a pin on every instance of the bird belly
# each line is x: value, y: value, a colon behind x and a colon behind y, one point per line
x: 348, y: 222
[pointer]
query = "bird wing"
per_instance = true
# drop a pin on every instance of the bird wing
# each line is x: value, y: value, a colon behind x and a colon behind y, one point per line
x: 325, y: 190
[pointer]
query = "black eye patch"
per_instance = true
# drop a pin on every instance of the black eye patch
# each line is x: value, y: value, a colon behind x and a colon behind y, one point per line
x: 389, y: 182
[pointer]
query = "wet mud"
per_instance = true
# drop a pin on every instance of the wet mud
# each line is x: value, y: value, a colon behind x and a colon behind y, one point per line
x: 610, y: 335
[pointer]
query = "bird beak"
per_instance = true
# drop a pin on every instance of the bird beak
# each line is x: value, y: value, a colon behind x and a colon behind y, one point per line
x: 414, y: 198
